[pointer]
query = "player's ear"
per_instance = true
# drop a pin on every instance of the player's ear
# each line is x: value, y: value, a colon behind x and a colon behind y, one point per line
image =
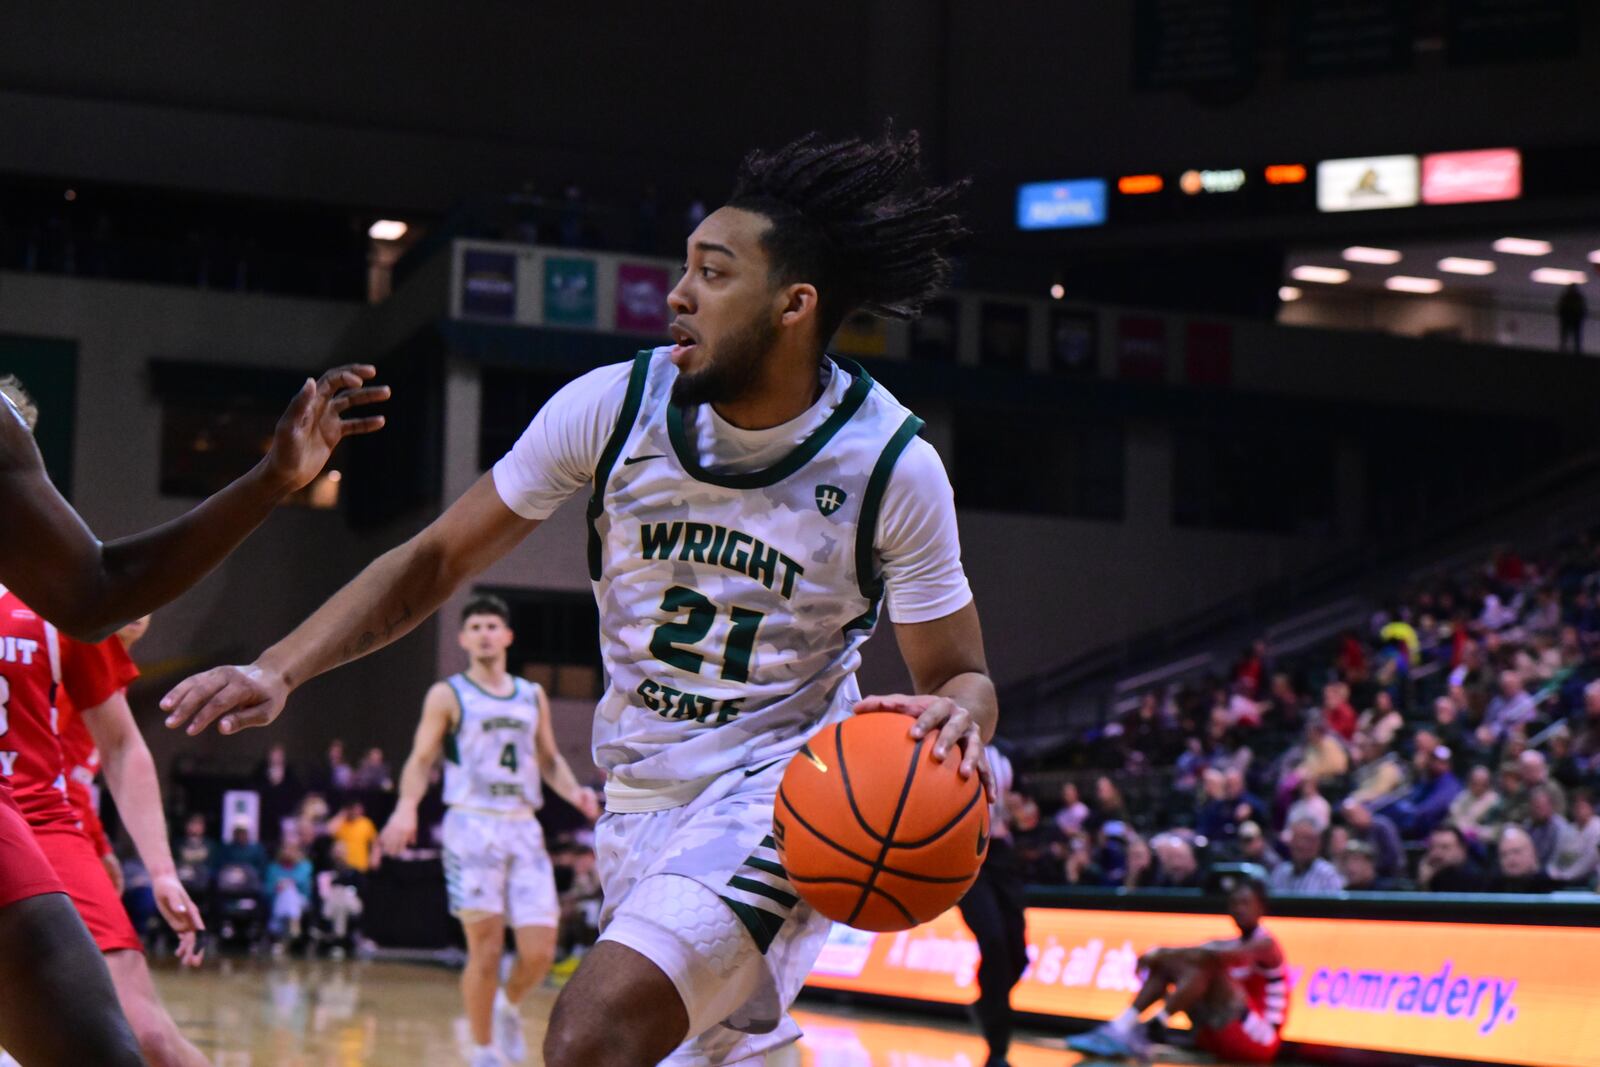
x: 799, y: 305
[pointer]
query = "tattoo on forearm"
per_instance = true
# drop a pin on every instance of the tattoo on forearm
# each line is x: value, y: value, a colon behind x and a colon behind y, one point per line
x: 393, y: 620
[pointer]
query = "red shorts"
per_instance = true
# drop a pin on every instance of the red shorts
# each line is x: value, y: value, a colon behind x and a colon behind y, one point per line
x: 24, y: 870
x: 89, y: 886
x: 1250, y: 1039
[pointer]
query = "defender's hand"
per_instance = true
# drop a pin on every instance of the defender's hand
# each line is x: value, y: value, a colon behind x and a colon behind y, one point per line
x: 313, y: 425
x: 952, y: 721
x: 399, y: 832
x: 589, y: 804
x: 241, y: 696
x: 181, y: 914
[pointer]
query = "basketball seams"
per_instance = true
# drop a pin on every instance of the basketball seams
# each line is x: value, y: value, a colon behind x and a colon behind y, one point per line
x: 850, y: 793
x: 867, y: 889
x: 911, y: 876
x: 946, y: 828
x: 899, y: 810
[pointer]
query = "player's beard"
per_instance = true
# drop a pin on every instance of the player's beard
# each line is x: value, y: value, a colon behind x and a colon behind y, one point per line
x: 734, y: 368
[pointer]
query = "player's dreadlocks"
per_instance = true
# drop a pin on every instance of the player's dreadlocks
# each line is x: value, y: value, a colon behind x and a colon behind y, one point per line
x: 848, y: 219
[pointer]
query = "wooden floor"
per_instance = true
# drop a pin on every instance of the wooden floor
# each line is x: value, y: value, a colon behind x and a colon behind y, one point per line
x: 258, y: 1013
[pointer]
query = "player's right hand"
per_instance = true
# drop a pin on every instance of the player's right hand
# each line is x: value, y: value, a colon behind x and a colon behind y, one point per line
x: 179, y: 910
x: 240, y: 696
x: 314, y: 423
x: 399, y: 832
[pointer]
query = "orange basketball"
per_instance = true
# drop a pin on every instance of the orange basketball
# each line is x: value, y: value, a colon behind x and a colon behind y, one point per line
x: 875, y: 832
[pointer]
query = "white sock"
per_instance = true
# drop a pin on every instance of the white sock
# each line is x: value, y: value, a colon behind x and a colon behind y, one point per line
x: 1126, y: 1021
x: 478, y: 1050
x: 503, y: 1002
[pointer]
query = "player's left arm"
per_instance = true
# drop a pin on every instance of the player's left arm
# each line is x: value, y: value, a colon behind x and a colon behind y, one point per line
x: 553, y: 765
x: 936, y: 621
x: 131, y: 775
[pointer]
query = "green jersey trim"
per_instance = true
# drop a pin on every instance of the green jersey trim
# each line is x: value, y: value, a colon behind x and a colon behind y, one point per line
x: 872, y: 503
x: 516, y: 688
x: 802, y: 454
x: 613, y: 449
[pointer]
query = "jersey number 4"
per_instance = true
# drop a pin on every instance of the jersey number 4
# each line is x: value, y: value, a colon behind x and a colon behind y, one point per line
x: 669, y: 636
x: 508, y: 758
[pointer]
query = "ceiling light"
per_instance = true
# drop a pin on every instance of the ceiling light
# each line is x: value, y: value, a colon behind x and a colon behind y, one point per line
x: 1557, y: 276
x: 1286, y: 174
x: 1363, y: 254
x: 1594, y: 257
x: 1404, y: 283
x: 1138, y: 184
x: 1522, y: 246
x: 1287, y: 293
x: 1325, y: 275
x: 1058, y: 291
x: 1462, y: 265
x: 387, y: 230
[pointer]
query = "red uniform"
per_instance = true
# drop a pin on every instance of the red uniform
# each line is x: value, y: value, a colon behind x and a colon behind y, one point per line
x: 42, y: 670
x: 83, y: 767
x: 1253, y: 1037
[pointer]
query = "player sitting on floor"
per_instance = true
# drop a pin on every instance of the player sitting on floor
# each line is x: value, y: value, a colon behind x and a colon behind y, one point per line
x: 1234, y: 992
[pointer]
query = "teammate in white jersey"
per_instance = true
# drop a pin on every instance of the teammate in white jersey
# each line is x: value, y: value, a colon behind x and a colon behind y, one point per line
x: 753, y: 505
x: 493, y: 730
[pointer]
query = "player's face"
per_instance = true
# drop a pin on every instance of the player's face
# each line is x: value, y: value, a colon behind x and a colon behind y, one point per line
x: 1245, y: 908
x: 485, y: 636
x: 725, y: 310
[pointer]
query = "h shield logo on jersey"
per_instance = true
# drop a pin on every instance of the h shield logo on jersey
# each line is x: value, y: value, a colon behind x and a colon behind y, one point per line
x: 829, y: 498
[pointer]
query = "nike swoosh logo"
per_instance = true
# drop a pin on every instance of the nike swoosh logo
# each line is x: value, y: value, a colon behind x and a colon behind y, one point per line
x: 805, y: 750
x: 752, y: 773
x: 631, y: 460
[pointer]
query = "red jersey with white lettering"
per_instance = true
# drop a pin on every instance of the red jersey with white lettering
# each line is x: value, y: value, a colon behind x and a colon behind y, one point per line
x: 1254, y: 1036
x: 32, y: 659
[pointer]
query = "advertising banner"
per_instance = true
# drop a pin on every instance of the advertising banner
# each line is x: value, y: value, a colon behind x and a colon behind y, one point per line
x: 1061, y: 205
x: 1502, y: 994
x: 1141, y: 348
x: 1472, y: 177
x: 642, y: 297
x: 569, y: 292
x: 489, y: 284
x: 1367, y: 183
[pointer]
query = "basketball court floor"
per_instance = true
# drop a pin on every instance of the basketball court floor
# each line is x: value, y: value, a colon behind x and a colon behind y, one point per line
x: 258, y: 1013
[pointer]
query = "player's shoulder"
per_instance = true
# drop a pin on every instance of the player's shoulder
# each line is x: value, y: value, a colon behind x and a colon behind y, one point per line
x: 444, y: 690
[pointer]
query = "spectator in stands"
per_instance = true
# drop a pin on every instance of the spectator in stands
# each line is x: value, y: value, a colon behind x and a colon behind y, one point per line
x: 196, y: 857
x: 1477, y: 809
x: 1323, y: 756
x: 288, y: 886
x: 1532, y: 772
x: 1519, y: 865
x: 1178, y: 867
x: 1251, y: 669
x: 1379, y: 834
x: 1381, y: 775
x: 1564, y: 768
x: 1586, y: 745
x: 1552, y: 835
x: 334, y: 777
x: 243, y: 852
x: 1337, y: 713
x: 1358, y: 870
x: 339, y: 889
x: 1253, y: 847
x: 1305, y: 871
x: 1448, y: 725
x: 1215, y: 819
x: 1039, y: 846
x: 1311, y: 806
x: 309, y: 829
x: 1382, y: 721
x: 1448, y: 867
x: 374, y: 773
x: 1079, y: 867
x: 1142, y: 871
x: 1074, y: 812
x: 1286, y: 708
x: 1578, y: 865
x: 280, y: 789
x: 1246, y: 805
x: 1418, y: 812
x: 1111, y: 855
x: 1109, y: 806
x: 1513, y: 706
x: 356, y: 833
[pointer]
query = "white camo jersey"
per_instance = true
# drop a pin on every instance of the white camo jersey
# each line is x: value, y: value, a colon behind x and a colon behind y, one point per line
x: 491, y: 764
x: 732, y: 605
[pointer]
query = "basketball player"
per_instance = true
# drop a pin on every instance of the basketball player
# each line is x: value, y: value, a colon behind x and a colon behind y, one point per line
x: 994, y: 911
x: 83, y: 770
x: 74, y: 682
x: 60, y: 1007
x: 494, y: 732
x: 753, y: 503
x: 1235, y: 992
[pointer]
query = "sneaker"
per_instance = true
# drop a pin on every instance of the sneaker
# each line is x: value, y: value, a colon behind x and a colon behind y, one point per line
x: 508, y: 1030
x: 1103, y: 1042
x: 486, y: 1057
x: 1155, y: 1031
